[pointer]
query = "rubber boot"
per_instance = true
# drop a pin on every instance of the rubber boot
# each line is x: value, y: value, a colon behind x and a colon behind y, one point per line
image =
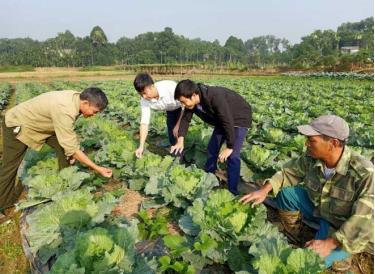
x: 343, y: 265
x: 292, y: 225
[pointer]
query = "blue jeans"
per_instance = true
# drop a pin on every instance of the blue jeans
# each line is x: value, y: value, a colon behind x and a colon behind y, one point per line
x: 172, y: 118
x: 296, y: 198
x: 233, y: 161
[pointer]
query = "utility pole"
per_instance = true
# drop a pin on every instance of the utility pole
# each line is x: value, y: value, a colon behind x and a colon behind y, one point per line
x: 180, y: 63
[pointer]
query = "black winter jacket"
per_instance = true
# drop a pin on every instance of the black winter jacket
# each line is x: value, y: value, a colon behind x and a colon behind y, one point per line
x: 220, y: 107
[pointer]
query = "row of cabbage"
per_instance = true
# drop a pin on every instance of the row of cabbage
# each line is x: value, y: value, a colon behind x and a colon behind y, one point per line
x: 70, y: 218
x: 332, y: 75
x: 279, y: 105
x: 5, y: 92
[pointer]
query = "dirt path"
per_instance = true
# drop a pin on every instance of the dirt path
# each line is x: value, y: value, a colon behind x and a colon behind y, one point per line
x: 129, y: 205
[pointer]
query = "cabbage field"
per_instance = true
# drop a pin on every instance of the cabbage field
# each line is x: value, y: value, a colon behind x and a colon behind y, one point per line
x: 69, y: 225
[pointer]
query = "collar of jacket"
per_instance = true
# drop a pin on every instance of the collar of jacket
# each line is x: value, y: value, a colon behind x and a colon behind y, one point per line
x: 202, y: 92
x: 343, y: 164
x: 202, y: 88
x: 77, y: 103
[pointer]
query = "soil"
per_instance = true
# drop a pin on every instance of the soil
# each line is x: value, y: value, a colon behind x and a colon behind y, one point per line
x: 129, y: 205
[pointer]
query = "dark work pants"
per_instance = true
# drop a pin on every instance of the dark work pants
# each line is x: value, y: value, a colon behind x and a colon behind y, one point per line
x: 172, y: 119
x: 13, y: 153
x: 233, y: 161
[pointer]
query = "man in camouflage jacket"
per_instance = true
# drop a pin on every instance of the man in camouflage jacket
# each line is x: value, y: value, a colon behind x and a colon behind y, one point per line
x: 330, y: 184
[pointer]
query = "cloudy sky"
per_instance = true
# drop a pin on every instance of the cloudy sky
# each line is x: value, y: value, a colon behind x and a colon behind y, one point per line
x: 205, y: 19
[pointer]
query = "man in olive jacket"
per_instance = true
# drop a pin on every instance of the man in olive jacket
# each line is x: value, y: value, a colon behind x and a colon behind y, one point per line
x: 330, y: 184
x: 48, y: 118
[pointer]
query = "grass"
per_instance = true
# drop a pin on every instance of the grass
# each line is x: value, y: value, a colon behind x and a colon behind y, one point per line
x: 12, y: 258
x: 12, y: 250
x: 101, y: 68
x: 22, y: 68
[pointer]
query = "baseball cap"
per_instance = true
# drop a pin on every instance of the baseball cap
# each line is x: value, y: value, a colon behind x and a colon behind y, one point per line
x: 329, y: 125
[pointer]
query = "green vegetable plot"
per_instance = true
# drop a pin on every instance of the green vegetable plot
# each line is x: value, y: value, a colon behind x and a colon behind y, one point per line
x: 70, y: 227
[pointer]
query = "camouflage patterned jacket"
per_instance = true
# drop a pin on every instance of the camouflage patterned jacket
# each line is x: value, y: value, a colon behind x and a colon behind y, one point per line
x: 345, y: 200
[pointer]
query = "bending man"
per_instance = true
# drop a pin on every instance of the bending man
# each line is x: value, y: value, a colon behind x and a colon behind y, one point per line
x: 228, y: 112
x: 157, y: 96
x: 48, y: 118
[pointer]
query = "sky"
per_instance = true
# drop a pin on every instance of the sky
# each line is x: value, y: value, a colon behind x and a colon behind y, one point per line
x: 208, y: 20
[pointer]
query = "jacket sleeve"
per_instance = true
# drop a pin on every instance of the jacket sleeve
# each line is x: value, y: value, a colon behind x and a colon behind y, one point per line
x: 185, y: 122
x: 225, y: 116
x: 292, y: 173
x: 356, y: 233
x: 63, y: 123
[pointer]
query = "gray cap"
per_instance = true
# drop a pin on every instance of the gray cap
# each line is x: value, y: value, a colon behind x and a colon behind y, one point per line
x: 329, y: 125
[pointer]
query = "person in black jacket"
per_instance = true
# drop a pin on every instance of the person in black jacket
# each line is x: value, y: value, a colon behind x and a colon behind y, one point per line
x: 230, y: 115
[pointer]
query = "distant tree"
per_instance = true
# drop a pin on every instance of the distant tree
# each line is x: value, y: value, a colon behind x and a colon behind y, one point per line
x: 314, y: 47
x: 60, y: 51
x: 126, y: 49
x: 146, y: 57
x: 98, y: 38
x: 84, y: 51
x: 167, y: 46
x: 357, y: 34
x: 266, y: 50
x: 320, y: 49
x: 235, y: 49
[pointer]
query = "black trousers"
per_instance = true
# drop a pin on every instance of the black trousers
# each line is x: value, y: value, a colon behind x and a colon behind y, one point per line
x: 172, y: 118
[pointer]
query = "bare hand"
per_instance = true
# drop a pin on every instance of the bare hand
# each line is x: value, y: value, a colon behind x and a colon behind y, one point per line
x: 223, y: 156
x: 105, y: 172
x: 322, y: 247
x: 178, y: 147
x: 139, y: 152
x: 257, y: 197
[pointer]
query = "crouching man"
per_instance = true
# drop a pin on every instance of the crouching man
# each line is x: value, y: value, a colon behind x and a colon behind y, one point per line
x: 331, y: 185
x: 48, y: 118
x: 230, y: 115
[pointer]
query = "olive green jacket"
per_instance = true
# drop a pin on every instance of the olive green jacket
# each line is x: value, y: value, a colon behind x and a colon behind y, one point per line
x: 51, y: 113
x: 345, y: 200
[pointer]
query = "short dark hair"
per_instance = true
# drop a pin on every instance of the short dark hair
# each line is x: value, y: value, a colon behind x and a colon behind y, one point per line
x: 95, y: 96
x: 142, y: 80
x: 328, y: 138
x: 185, y: 88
